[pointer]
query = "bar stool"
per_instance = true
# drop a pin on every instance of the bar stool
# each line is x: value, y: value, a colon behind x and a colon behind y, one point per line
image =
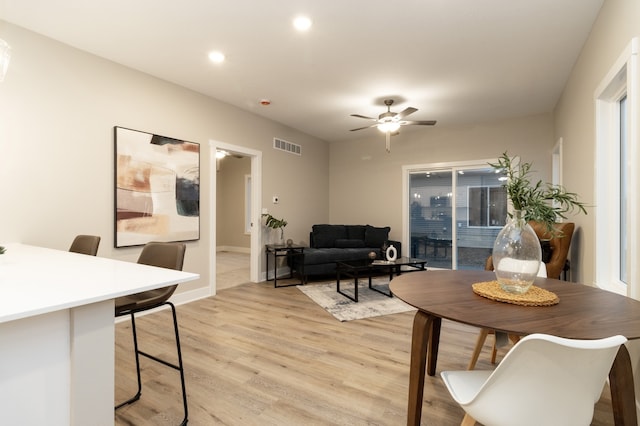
x: 164, y: 255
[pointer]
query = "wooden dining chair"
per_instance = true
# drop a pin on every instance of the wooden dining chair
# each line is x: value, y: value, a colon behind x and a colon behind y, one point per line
x: 559, y: 244
x: 543, y: 380
x: 164, y: 255
x: 85, y: 244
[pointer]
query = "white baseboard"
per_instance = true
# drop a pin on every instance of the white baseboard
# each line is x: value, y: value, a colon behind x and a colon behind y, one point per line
x: 191, y: 296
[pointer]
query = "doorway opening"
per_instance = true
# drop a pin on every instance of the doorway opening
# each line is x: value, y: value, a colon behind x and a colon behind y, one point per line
x: 245, y: 167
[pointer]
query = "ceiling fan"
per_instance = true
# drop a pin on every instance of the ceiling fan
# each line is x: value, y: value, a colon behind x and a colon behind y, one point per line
x: 390, y: 122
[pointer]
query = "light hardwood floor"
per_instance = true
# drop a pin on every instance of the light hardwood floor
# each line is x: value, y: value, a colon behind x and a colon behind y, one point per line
x: 232, y: 269
x: 255, y: 355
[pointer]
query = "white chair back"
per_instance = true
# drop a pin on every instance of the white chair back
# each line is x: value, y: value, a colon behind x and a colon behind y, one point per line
x: 528, y: 267
x: 543, y: 380
x: 542, y: 270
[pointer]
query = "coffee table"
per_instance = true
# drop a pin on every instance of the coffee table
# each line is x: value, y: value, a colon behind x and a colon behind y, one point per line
x: 366, y: 268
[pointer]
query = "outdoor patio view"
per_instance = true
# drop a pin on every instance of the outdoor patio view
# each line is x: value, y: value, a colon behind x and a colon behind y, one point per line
x: 455, y: 215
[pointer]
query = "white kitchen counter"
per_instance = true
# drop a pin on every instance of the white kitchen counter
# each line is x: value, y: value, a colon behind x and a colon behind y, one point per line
x: 57, y: 332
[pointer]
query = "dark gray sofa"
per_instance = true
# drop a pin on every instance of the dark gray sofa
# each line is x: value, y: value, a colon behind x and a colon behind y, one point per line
x: 329, y: 244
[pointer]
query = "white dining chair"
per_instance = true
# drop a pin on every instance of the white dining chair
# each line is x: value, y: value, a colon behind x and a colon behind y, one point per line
x: 543, y: 380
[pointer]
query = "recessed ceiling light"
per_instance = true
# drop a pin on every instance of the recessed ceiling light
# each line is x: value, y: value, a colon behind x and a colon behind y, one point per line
x: 302, y: 23
x: 216, y: 57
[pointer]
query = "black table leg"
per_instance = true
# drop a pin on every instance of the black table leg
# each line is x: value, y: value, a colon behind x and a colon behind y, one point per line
x: 348, y: 296
x: 377, y: 289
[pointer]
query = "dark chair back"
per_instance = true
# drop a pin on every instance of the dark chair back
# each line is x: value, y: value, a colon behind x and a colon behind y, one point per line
x: 85, y: 244
x: 163, y: 255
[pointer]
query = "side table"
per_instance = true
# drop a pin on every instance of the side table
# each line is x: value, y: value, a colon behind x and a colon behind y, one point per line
x: 289, y: 252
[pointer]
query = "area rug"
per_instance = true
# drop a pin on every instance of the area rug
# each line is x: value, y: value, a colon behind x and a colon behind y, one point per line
x: 370, y: 303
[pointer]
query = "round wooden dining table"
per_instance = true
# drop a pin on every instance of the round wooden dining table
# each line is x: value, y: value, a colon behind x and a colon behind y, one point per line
x: 583, y: 312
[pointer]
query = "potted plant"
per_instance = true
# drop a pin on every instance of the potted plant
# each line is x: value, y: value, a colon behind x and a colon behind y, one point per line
x: 516, y: 251
x: 274, y: 223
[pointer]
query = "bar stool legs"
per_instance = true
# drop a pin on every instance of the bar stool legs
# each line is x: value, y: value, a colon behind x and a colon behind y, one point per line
x: 178, y: 367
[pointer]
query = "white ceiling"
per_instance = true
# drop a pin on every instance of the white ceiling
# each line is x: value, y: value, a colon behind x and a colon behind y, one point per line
x: 457, y: 61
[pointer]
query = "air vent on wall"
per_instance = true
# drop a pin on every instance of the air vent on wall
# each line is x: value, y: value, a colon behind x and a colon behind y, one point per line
x: 290, y: 147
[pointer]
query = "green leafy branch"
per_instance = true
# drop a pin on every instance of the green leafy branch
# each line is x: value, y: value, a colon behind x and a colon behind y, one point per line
x: 541, y: 202
x: 274, y: 223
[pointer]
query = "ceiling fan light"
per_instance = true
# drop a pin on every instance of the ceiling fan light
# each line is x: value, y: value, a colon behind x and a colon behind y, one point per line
x: 302, y: 23
x: 389, y: 127
x: 216, y: 57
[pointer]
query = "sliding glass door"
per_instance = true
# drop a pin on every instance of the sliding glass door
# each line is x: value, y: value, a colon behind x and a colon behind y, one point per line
x: 430, y: 220
x: 454, y: 213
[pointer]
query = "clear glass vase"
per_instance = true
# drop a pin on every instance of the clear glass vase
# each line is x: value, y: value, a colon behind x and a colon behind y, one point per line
x: 516, y: 255
x: 278, y: 236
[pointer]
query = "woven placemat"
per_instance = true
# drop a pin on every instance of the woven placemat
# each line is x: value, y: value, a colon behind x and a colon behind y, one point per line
x: 536, y: 296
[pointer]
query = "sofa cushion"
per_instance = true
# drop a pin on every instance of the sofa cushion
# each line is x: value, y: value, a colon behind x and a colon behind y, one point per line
x: 376, y: 237
x: 348, y: 243
x: 325, y: 236
x: 332, y: 255
x: 356, y: 232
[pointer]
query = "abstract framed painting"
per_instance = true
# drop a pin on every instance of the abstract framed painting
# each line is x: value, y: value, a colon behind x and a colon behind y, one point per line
x: 157, y: 188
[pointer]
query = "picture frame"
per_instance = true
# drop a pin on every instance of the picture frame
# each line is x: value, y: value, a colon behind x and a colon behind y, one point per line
x: 156, y: 188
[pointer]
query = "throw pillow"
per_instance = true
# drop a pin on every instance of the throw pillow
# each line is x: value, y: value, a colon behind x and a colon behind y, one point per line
x: 325, y: 236
x: 356, y: 232
x: 376, y: 237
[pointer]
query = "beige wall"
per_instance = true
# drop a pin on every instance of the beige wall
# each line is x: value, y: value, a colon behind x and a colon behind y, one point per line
x: 617, y: 23
x: 230, y: 203
x: 366, y: 181
x: 58, y: 107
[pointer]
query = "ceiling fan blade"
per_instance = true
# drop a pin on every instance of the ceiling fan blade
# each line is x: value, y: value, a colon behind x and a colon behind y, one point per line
x: 365, y: 127
x: 422, y: 123
x: 363, y: 116
x: 407, y: 111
